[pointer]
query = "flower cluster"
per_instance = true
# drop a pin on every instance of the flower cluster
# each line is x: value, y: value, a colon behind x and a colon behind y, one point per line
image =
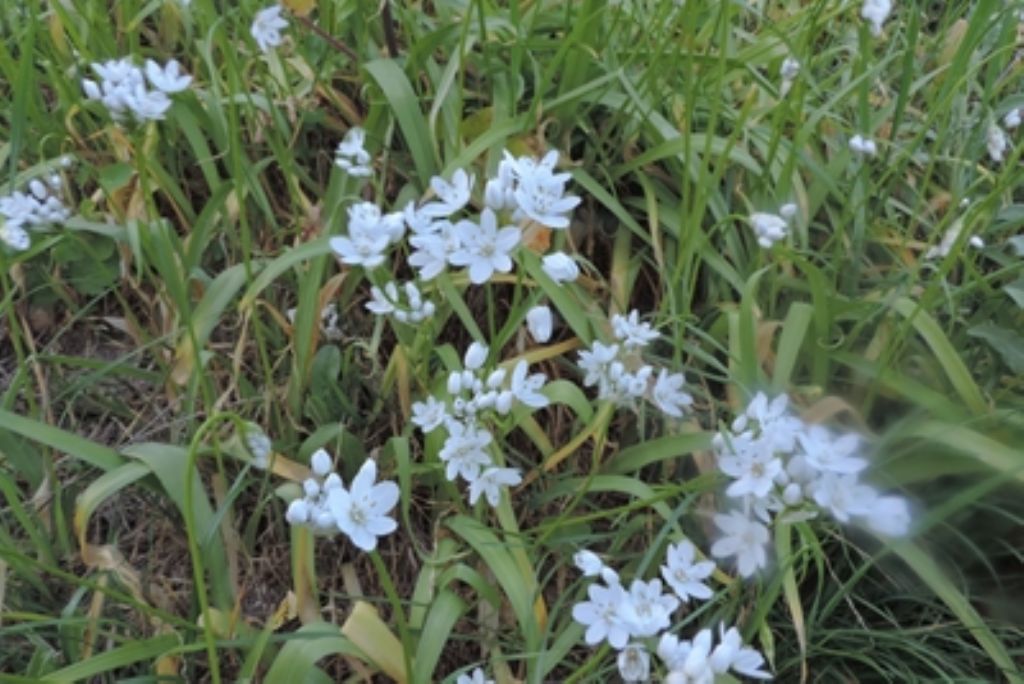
x: 361, y: 512
x: 474, y: 395
x: 123, y: 91
x: 23, y: 211
x: 771, y: 228
x: 631, y: 619
x: 863, y: 146
x: 531, y: 190
x: 783, y: 468
x: 622, y: 376
x: 388, y: 302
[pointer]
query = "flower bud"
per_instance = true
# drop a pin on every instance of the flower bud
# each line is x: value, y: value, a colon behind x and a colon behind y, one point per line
x: 475, y: 356
x: 320, y: 463
x: 539, y: 322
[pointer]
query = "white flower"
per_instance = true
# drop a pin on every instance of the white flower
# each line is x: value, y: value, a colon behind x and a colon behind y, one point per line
x: 600, y: 615
x: 361, y: 249
x: 382, y: 302
x: 258, y: 444
x: 351, y: 155
x: 485, y: 248
x: 476, y: 355
x: 431, y: 253
x: 476, y: 677
x: 696, y: 665
x: 684, y: 573
x: 596, y: 361
x: 829, y: 453
x: 589, y: 563
x: 949, y: 238
x: 168, y: 79
x: 541, y: 197
x: 464, y: 451
x: 631, y: 332
x: 672, y: 651
x: 743, y: 538
x: 539, y: 321
x: 789, y: 69
x: 298, y: 512
x: 647, y: 610
x: 876, y: 12
x: 267, y: 26
x: 844, y: 496
x: 560, y: 267
x: 788, y: 210
x: 890, y: 516
x: 634, y: 663
x: 320, y: 463
x: 768, y: 228
x: 429, y: 415
x: 1012, y: 119
x: 771, y: 421
x: 526, y: 389
x: 668, y: 394
x: 453, y: 196
x: 490, y: 482
x: 753, y: 467
x: 361, y: 513
x: 862, y: 145
x: 997, y: 142
x: 731, y: 654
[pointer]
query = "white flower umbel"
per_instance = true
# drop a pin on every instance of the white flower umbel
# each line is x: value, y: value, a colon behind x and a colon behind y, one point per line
x: 684, y: 573
x: 362, y: 512
x: 491, y: 482
x: 695, y: 662
x: 744, y: 538
x: 631, y: 331
x: 769, y: 228
x: 876, y: 12
x: 351, y: 155
x: 560, y: 267
x: 22, y: 212
x: 541, y: 197
x: 451, y: 196
x: 389, y: 301
x: 526, y: 388
x: 465, y: 451
x: 485, y: 249
x: 122, y: 88
x: 634, y: 663
x: 429, y: 415
x: 771, y: 421
x: 267, y: 26
x: 540, y: 323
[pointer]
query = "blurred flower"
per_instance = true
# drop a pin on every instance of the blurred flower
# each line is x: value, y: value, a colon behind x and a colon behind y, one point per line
x: 768, y: 228
x: 876, y: 12
x: 631, y: 332
x: 634, y: 663
x: 258, y: 445
x: 588, y: 562
x: 429, y: 415
x: 452, y: 196
x: 668, y: 394
x: 267, y: 26
x: 169, y: 78
x: 476, y: 677
x: 862, y: 145
x: 1012, y: 119
x: 743, y: 538
x: 351, y: 155
x: 890, y: 516
x: 490, y: 483
x: 997, y: 142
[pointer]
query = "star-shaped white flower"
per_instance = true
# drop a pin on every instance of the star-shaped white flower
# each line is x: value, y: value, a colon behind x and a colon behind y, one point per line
x: 361, y: 512
x: 452, y: 196
x: 267, y: 26
x: 684, y: 573
x: 485, y: 248
x: 743, y: 538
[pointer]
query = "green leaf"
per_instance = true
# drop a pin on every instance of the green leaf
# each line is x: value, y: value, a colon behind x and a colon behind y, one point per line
x: 107, y: 662
x: 1008, y: 343
x: 406, y: 107
x: 1016, y: 291
x: 445, y: 611
x: 60, y: 440
x: 297, y: 660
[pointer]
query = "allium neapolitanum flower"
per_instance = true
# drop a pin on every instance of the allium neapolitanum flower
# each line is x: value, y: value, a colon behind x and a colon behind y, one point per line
x: 267, y: 26
x: 477, y: 676
x: 540, y: 323
x: 769, y: 228
x: 21, y: 212
x: 560, y: 267
x: 123, y: 91
x: 351, y: 155
x: 862, y: 145
x: 876, y: 12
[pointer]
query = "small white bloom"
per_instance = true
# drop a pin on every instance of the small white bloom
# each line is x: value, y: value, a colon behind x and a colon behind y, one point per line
x: 743, y: 538
x: 526, y: 388
x: 634, y: 663
x: 15, y: 237
x: 601, y: 616
x: 731, y: 654
x: 768, y: 228
x: 647, y: 610
x: 829, y: 453
x: 876, y: 12
x: 862, y: 145
x: 361, y: 249
x: 475, y: 356
x: 1012, y: 119
x: 631, y: 332
x: 771, y: 422
x: 485, y: 249
x: 589, y: 563
x: 997, y: 142
x: 320, y: 463
x: 539, y: 321
x: 890, y: 515
x: 361, y: 513
x: 258, y: 444
x: 429, y: 415
x: 753, y: 467
x: 351, y: 155
x: 668, y: 394
x: 490, y: 484
x: 844, y: 496
x: 788, y: 210
x: 540, y: 196
x: 169, y: 79
x: 298, y: 512
x: 267, y: 26
x: 790, y: 68
x: 684, y: 573
x: 465, y: 451
x: 452, y: 196
x: 560, y: 267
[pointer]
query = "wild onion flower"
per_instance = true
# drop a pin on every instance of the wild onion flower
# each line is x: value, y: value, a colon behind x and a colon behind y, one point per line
x: 631, y: 331
x: 684, y: 573
x: 362, y: 511
x: 560, y: 267
x: 485, y: 248
x: 491, y: 482
x: 267, y: 26
x: 1012, y: 119
x: 22, y: 212
x: 876, y: 12
x: 540, y: 322
x: 863, y: 146
x: 769, y: 228
x: 351, y: 155
x: 123, y: 91
x: 169, y: 78
x: 744, y: 538
x: 389, y: 301
x: 258, y: 445
x: 452, y: 196
x: 634, y: 663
